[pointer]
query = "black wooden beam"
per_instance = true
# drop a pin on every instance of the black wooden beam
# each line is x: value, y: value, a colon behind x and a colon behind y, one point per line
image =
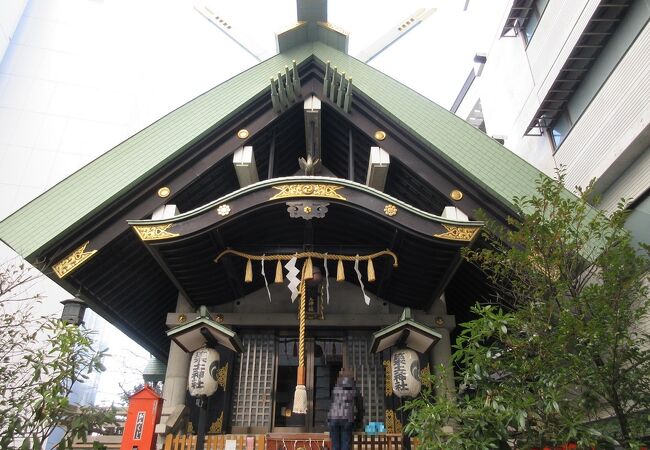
x: 350, y: 155
x: 271, y: 157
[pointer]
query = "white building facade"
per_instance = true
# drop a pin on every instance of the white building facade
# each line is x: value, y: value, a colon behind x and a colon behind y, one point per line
x: 567, y: 83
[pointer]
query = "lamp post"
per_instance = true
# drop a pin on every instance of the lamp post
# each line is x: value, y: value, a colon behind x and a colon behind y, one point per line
x: 200, y: 337
x: 406, y: 337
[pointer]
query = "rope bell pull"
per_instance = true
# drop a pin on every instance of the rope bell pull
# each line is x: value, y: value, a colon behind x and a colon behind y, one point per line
x: 300, y: 394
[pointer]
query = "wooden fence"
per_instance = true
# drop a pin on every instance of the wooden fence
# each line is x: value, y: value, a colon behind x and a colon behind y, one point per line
x: 282, y: 441
x: 216, y: 442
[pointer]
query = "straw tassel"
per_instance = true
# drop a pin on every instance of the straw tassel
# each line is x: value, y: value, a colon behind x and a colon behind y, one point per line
x: 371, y: 271
x: 340, y: 273
x: 248, y: 277
x: 278, y: 273
x: 308, y: 270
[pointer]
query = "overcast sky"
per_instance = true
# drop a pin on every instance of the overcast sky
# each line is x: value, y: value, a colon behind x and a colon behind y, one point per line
x: 433, y: 59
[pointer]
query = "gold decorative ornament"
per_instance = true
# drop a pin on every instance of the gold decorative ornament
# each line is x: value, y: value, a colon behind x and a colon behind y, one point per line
x: 243, y: 133
x: 182, y: 318
x: 307, y: 190
x: 440, y: 321
x: 456, y: 195
x: 164, y: 192
x: 380, y: 135
x: 388, y: 379
x: 390, y: 210
x: 219, y: 318
x: 217, y: 426
x: 154, y: 232
x: 390, y: 421
x: 73, y: 260
x: 455, y: 233
x: 398, y: 425
x: 307, y: 209
x: 393, y: 424
x: 223, y: 210
x: 222, y: 377
x: 190, y: 428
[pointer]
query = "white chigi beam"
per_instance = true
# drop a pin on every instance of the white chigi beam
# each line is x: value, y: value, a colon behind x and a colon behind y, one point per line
x: 395, y: 33
x: 244, y: 162
x: 378, y: 164
x: 209, y: 10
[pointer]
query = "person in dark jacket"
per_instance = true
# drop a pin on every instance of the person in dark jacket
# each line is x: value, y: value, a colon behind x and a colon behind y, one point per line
x: 346, y: 410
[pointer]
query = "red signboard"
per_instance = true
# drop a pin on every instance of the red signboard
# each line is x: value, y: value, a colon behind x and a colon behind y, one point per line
x: 144, y: 411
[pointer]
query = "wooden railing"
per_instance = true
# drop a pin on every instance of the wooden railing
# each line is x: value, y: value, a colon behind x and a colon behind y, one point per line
x: 381, y: 441
x: 216, y: 442
x: 297, y: 441
x: 283, y: 441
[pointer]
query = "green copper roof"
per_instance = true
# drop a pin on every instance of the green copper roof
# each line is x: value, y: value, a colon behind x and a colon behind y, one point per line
x: 93, y: 187
x: 113, y: 173
x: 496, y: 168
x: 154, y: 371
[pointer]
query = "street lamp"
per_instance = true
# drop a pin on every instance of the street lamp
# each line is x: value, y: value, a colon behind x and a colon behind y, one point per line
x: 407, y: 337
x: 200, y: 337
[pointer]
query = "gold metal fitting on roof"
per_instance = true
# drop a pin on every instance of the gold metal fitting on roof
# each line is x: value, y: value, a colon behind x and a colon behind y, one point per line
x: 164, y: 192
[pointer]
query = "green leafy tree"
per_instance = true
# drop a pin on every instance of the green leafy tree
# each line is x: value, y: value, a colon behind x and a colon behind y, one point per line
x: 126, y: 394
x: 562, y: 354
x: 41, y: 359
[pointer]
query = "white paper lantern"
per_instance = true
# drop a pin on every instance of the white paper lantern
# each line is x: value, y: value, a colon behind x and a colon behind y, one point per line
x: 204, y: 366
x: 405, y: 367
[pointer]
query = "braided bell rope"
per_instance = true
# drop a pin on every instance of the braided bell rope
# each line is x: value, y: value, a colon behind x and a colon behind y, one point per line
x: 319, y: 255
x: 301, y: 324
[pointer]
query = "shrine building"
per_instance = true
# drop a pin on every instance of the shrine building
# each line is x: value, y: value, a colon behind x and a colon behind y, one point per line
x: 310, y: 179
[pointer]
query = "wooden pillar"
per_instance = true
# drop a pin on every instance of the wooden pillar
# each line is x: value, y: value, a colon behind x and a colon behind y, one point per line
x: 440, y: 353
x: 175, y: 385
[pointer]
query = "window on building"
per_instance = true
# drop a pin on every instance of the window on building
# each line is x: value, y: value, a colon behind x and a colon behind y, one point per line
x: 559, y: 130
x: 529, y: 27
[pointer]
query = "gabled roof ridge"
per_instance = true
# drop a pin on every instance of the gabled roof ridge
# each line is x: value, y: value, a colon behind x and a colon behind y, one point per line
x: 75, y: 199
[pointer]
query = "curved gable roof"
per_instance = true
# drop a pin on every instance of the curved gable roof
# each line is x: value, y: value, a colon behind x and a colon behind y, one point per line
x: 95, y: 186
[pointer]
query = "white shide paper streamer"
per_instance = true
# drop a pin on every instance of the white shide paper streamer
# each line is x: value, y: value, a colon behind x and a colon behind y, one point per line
x: 292, y: 277
x: 266, y: 282
x: 327, y: 280
x: 363, y: 290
